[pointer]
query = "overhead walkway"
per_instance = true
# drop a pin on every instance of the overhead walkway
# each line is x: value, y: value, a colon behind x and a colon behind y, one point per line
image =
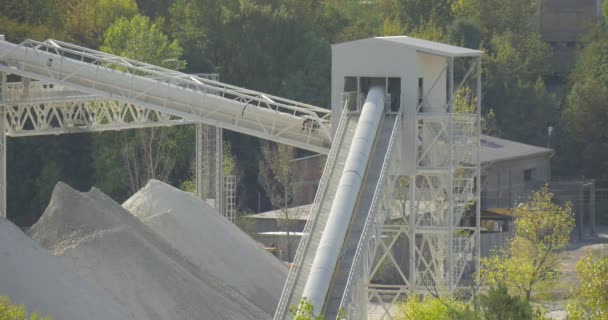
x: 189, y: 97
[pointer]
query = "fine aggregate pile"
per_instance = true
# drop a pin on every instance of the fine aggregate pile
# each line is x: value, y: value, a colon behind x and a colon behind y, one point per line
x: 31, y: 276
x: 211, y: 242
x: 107, y: 244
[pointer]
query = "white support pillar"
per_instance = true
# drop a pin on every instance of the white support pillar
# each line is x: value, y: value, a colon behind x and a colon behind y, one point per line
x: 209, y: 173
x: 450, y: 182
x: 412, y: 233
x: 478, y: 174
x: 201, y: 161
x: 3, y: 212
x: 219, y: 171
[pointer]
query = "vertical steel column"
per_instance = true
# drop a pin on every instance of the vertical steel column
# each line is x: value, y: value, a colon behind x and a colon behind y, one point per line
x: 478, y: 173
x: 450, y: 177
x: 209, y: 166
x: 581, y: 210
x: 3, y: 212
x: 412, y: 233
x: 205, y: 161
x: 198, y: 162
x: 219, y: 171
x: 592, y: 207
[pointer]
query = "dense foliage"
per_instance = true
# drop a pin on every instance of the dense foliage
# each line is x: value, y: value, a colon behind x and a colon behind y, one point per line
x: 283, y: 47
x: 590, y: 299
x: 9, y: 311
x: 529, y: 265
x: 495, y: 304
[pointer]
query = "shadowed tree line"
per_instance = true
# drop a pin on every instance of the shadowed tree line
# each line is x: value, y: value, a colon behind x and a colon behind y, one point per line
x: 283, y: 47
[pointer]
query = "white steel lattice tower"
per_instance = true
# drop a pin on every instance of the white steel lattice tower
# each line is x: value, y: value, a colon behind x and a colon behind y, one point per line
x: 230, y: 197
x: 425, y: 233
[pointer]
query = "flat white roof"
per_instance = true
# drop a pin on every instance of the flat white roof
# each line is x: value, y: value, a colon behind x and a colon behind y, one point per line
x: 425, y: 46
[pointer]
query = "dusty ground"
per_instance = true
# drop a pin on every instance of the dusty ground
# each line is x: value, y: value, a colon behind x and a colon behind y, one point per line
x: 570, y: 256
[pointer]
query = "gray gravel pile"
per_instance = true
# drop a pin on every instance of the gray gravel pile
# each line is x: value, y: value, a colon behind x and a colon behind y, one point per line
x: 211, y: 242
x: 31, y: 276
x: 108, y: 245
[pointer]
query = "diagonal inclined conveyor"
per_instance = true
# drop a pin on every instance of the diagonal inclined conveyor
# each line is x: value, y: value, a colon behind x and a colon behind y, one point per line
x: 322, y: 263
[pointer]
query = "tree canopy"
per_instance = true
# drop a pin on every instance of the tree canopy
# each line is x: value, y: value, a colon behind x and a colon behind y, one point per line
x: 529, y: 265
x: 283, y: 47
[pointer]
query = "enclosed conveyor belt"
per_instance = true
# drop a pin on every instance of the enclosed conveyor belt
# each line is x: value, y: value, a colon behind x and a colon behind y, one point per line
x: 370, y: 182
x: 168, y: 91
x: 319, y: 249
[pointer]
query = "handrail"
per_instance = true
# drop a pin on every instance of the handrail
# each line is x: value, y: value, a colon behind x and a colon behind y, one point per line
x: 293, y: 274
x: 318, y: 116
x: 372, y: 214
x: 98, y: 57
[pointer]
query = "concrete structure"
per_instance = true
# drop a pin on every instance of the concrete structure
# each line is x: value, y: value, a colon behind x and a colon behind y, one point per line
x: 563, y: 23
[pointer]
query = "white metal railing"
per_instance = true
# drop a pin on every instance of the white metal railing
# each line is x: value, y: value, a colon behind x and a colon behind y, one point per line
x: 373, y: 227
x: 80, y: 78
x: 33, y: 118
x: 294, y: 272
x: 43, y: 91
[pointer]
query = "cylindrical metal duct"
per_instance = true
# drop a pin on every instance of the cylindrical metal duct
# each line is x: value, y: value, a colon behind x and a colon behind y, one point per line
x: 345, y: 200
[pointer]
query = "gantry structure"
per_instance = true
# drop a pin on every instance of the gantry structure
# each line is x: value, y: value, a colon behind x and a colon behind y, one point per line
x: 400, y: 188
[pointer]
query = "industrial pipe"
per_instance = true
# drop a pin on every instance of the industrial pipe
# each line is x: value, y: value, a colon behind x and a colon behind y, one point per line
x: 339, y: 218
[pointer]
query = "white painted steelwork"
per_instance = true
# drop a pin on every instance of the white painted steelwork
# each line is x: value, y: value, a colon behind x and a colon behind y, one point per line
x: 30, y: 118
x: 296, y: 279
x: 379, y: 212
x: 94, y: 91
x: 328, y: 251
x: 168, y: 91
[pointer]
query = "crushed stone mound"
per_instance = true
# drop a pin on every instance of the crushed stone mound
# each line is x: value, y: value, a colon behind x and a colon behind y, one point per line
x: 211, y: 242
x: 31, y: 276
x: 107, y: 244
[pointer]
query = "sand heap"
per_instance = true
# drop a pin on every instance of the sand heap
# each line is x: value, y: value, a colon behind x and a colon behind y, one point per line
x: 108, y: 245
x: 211, y: 242
x: 31, y: 276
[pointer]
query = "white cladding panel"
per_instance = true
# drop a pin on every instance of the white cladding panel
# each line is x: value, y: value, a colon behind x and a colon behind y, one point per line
x: 374, y: 57
x: 431, y: 70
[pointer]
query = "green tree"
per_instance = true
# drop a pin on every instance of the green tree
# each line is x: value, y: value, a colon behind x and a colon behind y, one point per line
x: 496, y: 16
x: 138, y: 38
x: 590, y: 299
x: 87, y: 20
x: 585, y: 115
x: 279, y: 178
x: 145, y: 153
x: 465, y: 33
x: 542, y: 228
x: 9, y: 311
x: 304, y: 311
x: 514, y: 89
x: 429, y: 307
x: 585, y: 112
x: 498, y: 304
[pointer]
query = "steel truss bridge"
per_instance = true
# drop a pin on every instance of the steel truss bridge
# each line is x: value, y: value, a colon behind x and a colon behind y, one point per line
x: 415, y: 226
